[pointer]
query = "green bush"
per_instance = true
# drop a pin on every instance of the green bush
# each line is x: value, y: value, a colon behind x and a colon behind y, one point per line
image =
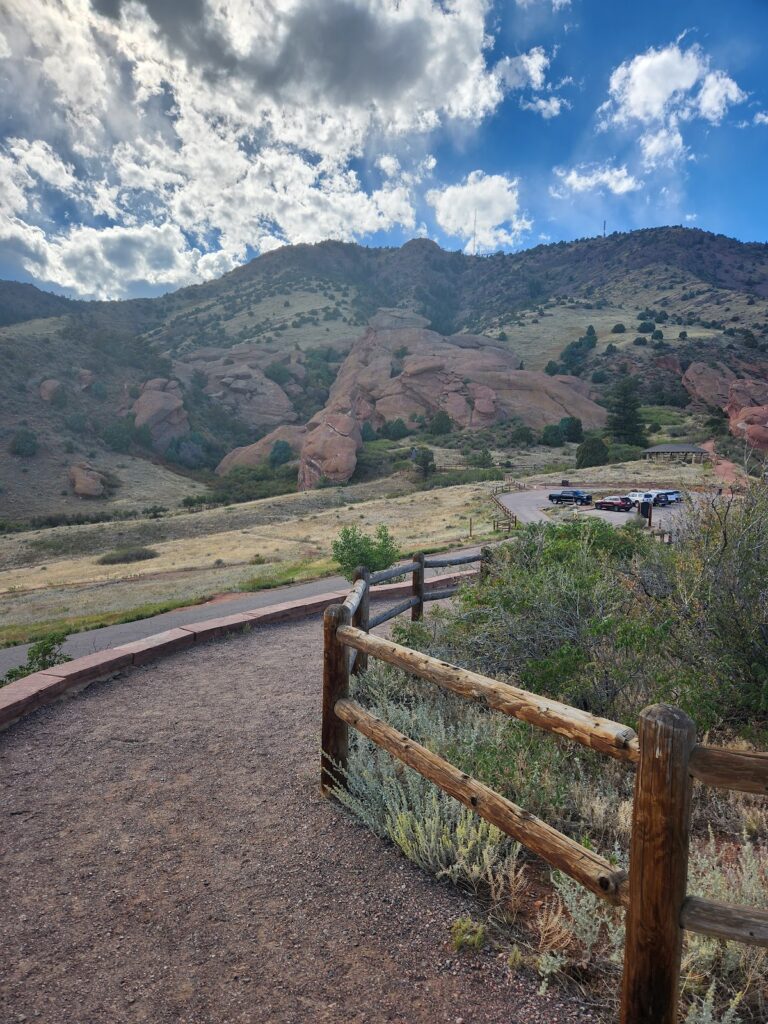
x: 24, y: 443
x: 395, y: 430
x: 352, y: 548
x: 618, y: 329
x: 552, y: 435
x: 43, y: 654
x: 280, y: 454
x: 125, y: 555
x: 592, y: 452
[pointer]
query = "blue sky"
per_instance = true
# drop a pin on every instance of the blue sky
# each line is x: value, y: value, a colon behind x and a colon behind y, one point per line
x: 149, y: 145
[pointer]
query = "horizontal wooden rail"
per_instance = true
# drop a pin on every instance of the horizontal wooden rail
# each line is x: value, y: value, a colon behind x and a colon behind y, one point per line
x: 742, y: 770
x: 591, y: 870
x: 389, y: 574
x: 440, y: 563
x: 390, y: 613
x: 612, y: 738
x: 724, y: 921
x: 439, y: 595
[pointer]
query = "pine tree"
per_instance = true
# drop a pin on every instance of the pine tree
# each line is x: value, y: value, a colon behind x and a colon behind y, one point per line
x: 625, y: 424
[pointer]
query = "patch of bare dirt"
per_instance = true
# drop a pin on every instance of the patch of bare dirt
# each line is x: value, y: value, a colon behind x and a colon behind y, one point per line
x: 167, y: 858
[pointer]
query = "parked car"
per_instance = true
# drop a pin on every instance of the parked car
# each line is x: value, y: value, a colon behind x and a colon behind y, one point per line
x: 655, y: 497
x: 672, y: 496
x: 615, y: 503
x: 571, y: 496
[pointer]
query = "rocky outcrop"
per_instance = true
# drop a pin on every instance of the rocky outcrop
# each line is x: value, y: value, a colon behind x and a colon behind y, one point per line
x: 160, y: 408
x: 49, y: 389
x: 85, y: 481
x: 708, y: 385
x: 253, y: 455
x: 235, y: 378
x: 747, y: 411
x: 400, y: 370
x: 330, y: 450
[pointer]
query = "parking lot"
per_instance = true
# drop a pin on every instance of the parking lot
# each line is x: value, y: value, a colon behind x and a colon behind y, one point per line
x: 532, y: 505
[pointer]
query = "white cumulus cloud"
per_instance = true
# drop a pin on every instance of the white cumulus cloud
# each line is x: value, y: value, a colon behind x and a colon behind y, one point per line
x: 484, y: 210
x: 591, y: 178
x: 224, y: 126
x: 662, y: 89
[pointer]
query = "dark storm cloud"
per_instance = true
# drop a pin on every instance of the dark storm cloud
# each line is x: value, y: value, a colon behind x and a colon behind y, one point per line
x: 336, y: 48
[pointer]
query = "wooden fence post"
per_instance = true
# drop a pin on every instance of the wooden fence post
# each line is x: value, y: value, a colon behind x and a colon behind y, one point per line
x: 417, y: 587
x: 335, y: 732
x: 658, y: 867
x: 485, y: 556
x: 362, y: 616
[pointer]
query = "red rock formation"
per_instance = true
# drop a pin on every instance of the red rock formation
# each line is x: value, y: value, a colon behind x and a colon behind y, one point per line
x: 708, y: 385
x: 86, y: 481
x: 252, y: 455
x: 160, y: 408
x: 400, y: 370
x: 49, y: 389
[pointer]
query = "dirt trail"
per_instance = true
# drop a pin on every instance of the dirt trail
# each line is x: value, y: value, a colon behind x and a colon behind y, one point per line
x: 166, y: 858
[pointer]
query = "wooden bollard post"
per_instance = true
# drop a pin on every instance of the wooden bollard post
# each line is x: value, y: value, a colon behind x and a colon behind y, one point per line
x: 362, y: 616
x: 335, y: 732
x: 417, y: 588
x: 658, y: 867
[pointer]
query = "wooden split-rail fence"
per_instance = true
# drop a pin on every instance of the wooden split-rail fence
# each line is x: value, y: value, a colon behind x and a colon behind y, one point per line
x: 664, y: 751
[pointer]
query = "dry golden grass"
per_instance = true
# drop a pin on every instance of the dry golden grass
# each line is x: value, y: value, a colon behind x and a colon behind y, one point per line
x: 218, y: 558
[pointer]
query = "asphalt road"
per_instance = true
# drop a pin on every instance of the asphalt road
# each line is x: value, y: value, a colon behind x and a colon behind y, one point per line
x: 529, y: 507
x: 92, y: 640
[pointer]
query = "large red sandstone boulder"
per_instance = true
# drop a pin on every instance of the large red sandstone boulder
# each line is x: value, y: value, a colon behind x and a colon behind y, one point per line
x: 708, y: 385
x: 330, y: 450
x: 49, y: 389
x: 86, y: 481
x: 160, y: 408
x: 253, y: 455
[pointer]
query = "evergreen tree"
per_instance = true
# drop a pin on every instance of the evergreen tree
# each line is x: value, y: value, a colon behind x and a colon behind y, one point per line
x: 625, y: 424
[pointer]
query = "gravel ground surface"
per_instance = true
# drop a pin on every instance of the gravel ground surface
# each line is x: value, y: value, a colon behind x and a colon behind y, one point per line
x: 166, y: 857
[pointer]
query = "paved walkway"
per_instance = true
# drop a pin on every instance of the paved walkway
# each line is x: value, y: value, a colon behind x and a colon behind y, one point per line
x: 166, y: 859
x: 92, y: 640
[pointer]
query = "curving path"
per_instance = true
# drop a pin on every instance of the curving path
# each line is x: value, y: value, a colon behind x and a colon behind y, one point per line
x: 166, y: 858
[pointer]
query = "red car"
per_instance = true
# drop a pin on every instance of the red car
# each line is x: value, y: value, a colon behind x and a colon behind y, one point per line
x: 615, y: 503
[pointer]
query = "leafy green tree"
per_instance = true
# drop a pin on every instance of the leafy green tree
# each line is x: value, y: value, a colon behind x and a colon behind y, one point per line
x: 593, y: 451
x: 646, y: 327
x: 552, y: 435
x: 482, y: 459
x: 440, y: 423
x: 599, y: 377
x: 625, y: 424
x: 424, y: 461
x: 368, y: 433
x: 572, y: 428
x: 280, y: 454
x: 552, y: 368
x: 352, y: 547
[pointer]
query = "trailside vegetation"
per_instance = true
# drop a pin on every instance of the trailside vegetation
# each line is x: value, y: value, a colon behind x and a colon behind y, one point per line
x: 609, y: 621
x: 353, y: 547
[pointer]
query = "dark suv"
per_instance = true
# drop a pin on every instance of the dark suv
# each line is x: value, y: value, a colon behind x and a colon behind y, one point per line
x: 570, y: 497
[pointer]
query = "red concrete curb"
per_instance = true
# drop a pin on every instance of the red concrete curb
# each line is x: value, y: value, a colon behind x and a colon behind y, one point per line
x: 31, y: 692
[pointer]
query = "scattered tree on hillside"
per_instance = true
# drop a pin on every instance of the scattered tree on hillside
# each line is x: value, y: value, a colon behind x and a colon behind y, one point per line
x: 618, y: 329
x: 625, y: 424
x: 552, y: 368
x: 440, y: 423
x: 552, y: 435
x: 280, y: 454
x: 572, y: 428
x: 593, y: 451
x: 24, y: 443
x: 368, y: 433
x: 395, y: 430
x: 424, y: 461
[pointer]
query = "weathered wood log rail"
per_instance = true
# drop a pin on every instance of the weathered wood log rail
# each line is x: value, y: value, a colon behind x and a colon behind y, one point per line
x: 664, y: 751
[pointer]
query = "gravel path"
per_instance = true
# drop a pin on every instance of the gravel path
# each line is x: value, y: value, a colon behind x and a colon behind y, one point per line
x: 167, y: 858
